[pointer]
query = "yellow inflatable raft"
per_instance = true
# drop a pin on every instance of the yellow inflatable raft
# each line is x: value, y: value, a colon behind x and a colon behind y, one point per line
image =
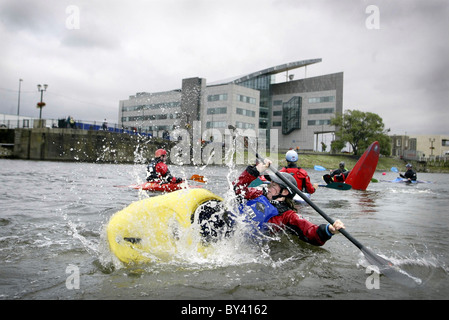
x: 157, y: 228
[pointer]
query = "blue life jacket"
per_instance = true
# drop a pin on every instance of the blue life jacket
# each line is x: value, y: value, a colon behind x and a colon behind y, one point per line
x: 261, y: 211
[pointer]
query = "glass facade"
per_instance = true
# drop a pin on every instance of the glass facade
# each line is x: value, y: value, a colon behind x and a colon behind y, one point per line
x: 291, y: 115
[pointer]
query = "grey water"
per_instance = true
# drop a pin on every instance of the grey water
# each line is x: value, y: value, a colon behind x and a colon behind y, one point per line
x: 52, y: 243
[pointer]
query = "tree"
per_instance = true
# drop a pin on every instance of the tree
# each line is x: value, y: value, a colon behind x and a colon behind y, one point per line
x: 360, y: 129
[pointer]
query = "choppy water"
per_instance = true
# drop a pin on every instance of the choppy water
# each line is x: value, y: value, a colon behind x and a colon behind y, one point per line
x: 53, y: 214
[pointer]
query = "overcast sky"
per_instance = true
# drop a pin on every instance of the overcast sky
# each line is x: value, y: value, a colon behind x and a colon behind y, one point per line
x: 94, y: 53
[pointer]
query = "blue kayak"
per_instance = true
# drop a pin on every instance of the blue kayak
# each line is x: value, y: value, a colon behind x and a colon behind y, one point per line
x: 401, y: 180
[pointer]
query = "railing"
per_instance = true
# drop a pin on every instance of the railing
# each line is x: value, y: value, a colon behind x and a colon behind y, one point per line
x: 28, y: 123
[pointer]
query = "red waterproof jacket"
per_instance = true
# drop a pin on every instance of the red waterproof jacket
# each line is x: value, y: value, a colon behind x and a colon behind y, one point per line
x: 301, y: 177
x: 287, y: 218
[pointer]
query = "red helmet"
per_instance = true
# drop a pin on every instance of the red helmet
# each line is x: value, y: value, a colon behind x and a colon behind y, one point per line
x: 160, y: 152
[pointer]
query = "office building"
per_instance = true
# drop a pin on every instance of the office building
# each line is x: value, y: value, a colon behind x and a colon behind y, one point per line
x: 300, y: 110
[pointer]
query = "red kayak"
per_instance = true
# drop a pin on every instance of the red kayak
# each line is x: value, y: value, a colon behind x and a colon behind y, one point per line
x: 164, y: 187
x: 167, y: 187
x: 360, y: 176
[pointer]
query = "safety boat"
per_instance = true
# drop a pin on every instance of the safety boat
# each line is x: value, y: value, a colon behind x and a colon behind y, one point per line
x: 156, y: 228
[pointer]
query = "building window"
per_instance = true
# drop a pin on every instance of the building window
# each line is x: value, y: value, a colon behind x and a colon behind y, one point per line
x: 321, y: 111
x: 277, y: 123
x: 245, y: 125
x: 277, y: 103
x: 219, y: 110
x: 318, y: 122
x: 245, y: 99
x: 218, y: 97
x: 322, y: 99
x: 245, y: 112
x: 216, y: 124
x: 153, y: 106
x: 277, y: 113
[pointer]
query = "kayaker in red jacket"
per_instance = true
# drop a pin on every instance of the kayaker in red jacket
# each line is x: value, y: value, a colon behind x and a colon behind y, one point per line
x: 301, y: 176
x: 158, y: 171
x: 280, y: 197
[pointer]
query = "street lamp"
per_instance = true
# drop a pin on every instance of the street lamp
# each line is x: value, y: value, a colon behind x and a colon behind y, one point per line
x: 41, y: 104
x: 18, y: 105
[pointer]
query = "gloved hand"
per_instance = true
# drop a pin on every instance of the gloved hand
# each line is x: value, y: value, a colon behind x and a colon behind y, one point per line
x: 177, y: 180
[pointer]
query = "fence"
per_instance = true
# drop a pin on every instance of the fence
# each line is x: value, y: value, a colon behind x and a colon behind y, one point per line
x: 29, y: 123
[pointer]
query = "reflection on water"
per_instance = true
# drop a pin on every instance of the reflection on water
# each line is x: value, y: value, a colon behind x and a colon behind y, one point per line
x: 67, y: 205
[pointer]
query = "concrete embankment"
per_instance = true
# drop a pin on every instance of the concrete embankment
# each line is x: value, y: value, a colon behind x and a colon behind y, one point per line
x: 55, y: 144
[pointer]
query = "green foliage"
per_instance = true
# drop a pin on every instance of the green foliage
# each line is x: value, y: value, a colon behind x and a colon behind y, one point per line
x: 360, y: 129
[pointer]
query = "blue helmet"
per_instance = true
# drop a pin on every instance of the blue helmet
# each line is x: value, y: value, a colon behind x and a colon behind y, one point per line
x: 291, y: 156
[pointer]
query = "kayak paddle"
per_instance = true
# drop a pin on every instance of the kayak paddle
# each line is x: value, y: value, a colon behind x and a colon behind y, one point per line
x: 319, y: 168
x: 336, y: 185
x: 394, y: 169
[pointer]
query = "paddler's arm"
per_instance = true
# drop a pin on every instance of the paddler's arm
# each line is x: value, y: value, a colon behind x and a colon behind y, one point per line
x: 250, y: 174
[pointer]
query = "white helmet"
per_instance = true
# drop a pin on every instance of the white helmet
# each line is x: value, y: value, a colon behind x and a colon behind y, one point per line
x: 291, y: 156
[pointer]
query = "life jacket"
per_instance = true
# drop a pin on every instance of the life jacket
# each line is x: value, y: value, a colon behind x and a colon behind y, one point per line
x: 261, y: 211
x: 339, y: 175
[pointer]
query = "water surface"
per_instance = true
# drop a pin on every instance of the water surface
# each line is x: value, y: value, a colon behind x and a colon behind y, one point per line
x: 53, y: 216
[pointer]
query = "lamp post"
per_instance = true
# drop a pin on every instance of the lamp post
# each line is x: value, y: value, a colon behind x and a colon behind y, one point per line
x: 41, y: 104
x: 431, y: 146
x: 18, y: 104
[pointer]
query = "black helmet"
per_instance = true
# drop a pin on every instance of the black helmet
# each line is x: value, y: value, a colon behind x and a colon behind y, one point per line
x: 288, y: 176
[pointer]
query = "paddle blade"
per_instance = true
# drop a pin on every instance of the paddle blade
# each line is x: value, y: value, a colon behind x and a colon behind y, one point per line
x: 198, y: 178
x: 319, y: 168
x: 338, y: 186
x: 394, y: 169
x: 391, y: 271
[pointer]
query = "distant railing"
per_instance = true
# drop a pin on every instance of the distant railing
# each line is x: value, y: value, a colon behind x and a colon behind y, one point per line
x: 28, y: 123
